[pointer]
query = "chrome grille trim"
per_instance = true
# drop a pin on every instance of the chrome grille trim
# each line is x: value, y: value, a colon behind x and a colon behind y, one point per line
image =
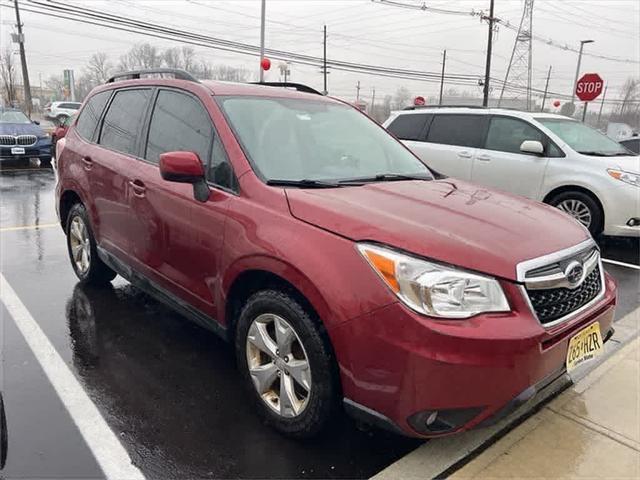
x: 558, y: 280
x: 523, y: 267
x: 7, y: 140
x: 18, y: 140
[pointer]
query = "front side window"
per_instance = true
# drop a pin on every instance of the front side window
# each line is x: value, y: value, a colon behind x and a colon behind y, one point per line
x: 583, y: 139
x: 296, y: 139
x: 459, y: 130
x: 507, y: 134
x: 90, y: 115
x: 179, y: 123
x: 123, y: 121
x: 409, y: 126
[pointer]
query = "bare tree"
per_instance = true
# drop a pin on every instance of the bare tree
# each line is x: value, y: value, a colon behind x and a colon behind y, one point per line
x: 630, y: 94
x: 229, y: 73
x: 8, y: 74
x: 56, y: 84
x: 143, y: 55
x: 99, y: 68
x: 401, y: 98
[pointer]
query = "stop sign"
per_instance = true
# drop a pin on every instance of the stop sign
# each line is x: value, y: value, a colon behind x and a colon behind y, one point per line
x: 589, y: 87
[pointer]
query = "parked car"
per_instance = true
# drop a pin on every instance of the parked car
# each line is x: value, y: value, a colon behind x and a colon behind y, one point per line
x: 21, y: 139
x: 61, y: 130
x: 632, y: 144
x: 344, y: 275
x: 545, y: 157
x: 60, y: 111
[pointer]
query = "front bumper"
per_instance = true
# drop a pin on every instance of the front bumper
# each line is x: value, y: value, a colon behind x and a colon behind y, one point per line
x: 621, y: 203
x: 404, y: 367
x: 39, y: 151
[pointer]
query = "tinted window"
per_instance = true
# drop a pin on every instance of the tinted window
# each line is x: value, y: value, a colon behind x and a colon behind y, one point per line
x: 461, y: 130
x: 179, y: 123
x: 409, y: 126
x: 72, y: 106
x: 123, y: 120
x: 220, y: 171
x: 507, y: 134
x: 633, y: 145
x: 90, y: 114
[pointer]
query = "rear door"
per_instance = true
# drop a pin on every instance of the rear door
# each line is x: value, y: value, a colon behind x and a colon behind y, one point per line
x: 113, y: 167
x: 177, y: 238
x: 501, y: 164
x: 451, y: 142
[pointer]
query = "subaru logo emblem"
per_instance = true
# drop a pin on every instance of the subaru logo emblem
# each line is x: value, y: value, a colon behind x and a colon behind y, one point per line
x: 574, y: 273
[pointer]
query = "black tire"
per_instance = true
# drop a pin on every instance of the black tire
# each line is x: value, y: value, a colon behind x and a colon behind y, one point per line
x: 97, y: 273
x: 323, y: 399
x: 597, y: 216
x: 45, y: 162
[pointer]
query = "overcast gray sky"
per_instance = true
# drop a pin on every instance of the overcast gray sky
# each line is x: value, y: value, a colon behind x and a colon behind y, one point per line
x: 359, y: 31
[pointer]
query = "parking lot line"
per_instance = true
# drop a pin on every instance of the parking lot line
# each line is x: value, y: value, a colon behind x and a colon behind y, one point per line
x: 103, y: 443
x: 28, y: 227
x: 621, y: 264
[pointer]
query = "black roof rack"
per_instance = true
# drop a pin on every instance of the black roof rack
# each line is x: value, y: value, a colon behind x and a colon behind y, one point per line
x: 135, y: 74
x: 298, y: 86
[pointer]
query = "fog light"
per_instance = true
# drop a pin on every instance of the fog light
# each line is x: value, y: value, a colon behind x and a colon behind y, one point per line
x: 633, y: 222
x: 442, y: 421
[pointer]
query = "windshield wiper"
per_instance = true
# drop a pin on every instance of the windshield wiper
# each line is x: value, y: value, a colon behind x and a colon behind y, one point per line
x: 605, y: 154
x: 308, y: 183
x: 387, y: 177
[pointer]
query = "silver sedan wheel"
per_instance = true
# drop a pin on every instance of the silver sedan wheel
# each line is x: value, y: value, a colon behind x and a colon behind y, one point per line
x: 577, y: 209
x: 278, y: 365
x: 80, y: 246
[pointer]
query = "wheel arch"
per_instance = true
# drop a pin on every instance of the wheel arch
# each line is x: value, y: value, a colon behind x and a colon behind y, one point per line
x: 575, y: 188
x: 67, y: 200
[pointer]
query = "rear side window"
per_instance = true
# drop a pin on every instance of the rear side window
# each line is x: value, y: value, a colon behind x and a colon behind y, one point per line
x: 71, y: 106
x: 409, y: 126
x: 90, y: 115
x: 179, y: 123
x: 507, y: 134
x: 124, y: 119
x: 460, y: 130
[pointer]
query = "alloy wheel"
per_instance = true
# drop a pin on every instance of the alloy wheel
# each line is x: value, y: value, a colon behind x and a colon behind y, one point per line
x: 577, y: 209
x: 278, y: 365
x: 80, y: 245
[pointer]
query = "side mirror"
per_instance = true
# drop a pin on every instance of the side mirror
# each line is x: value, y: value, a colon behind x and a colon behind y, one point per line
x: 185, y: 167
x: 533, y: 147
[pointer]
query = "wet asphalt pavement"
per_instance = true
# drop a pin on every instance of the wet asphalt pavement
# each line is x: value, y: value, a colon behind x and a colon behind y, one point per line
x: 168, y: 388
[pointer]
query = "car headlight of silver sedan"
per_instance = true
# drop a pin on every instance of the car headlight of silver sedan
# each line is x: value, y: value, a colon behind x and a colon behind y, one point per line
x: 434, y: 289
x: 626, y: 177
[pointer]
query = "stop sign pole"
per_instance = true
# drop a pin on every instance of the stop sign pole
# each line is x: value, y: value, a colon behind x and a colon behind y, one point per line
x: 588, y: 88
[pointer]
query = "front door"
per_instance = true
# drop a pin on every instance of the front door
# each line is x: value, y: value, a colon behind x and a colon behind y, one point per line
x: 501, y: 164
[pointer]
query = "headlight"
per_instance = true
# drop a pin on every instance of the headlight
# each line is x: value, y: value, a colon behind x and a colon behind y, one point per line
x: 626, y: 177
x: 433, y: 289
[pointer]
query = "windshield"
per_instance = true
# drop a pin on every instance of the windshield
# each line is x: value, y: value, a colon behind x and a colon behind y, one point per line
x: 293, y: 140
x: 583, y: 139
x: 13, y: 116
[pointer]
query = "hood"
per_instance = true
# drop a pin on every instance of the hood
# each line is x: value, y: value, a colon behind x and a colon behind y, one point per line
x: 446, y: 220
x: 629, y: 164
x: 21, y: 129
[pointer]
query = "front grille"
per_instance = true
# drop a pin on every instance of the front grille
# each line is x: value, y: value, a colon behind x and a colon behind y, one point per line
x: 554, y: 303
x: 7, y: 140
x: 26, y: 140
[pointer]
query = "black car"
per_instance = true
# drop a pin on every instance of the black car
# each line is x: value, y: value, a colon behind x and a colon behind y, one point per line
x: 21, y: 139
x: 632, y: 144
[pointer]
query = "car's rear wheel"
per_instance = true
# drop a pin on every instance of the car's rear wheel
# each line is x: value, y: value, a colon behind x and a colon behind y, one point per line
x: 286, y: 364
x: 582, y: 207
x: 82, y: 248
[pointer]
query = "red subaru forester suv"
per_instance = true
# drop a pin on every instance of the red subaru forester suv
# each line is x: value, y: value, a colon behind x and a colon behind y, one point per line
x: 344, y: 273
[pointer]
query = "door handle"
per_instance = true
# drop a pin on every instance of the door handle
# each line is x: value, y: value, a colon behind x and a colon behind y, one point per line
x: 88, y: 163
x: 484, y: 158
x: 138, y: 188
x: 464, y: 154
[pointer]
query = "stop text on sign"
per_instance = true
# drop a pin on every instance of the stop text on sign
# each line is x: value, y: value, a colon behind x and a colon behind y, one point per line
x: 589, y: 87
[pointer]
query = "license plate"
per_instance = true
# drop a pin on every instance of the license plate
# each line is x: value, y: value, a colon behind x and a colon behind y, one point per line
x: 17, y: 151
x: 584, y: 346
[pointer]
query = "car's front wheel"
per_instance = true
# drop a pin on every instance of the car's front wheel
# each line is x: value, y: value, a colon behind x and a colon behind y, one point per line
x: 82, y: 248
x: 582, y: 207
x: 288, y: 367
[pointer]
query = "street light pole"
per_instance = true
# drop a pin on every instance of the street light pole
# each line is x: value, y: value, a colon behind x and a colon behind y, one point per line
x: 575, y: 81
x: 262, y: 21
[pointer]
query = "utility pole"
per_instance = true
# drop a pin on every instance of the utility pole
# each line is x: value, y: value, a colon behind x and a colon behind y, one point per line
x: 324, y: 60
x: 487, y: 71
x: 373, y: 101
x: 604, y: 94
x: 262, y: 22
x: 23, y: 61
x: 444, y: 61
x: 575, y: 81
x: 546, y: 88
x: 358, y: 92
